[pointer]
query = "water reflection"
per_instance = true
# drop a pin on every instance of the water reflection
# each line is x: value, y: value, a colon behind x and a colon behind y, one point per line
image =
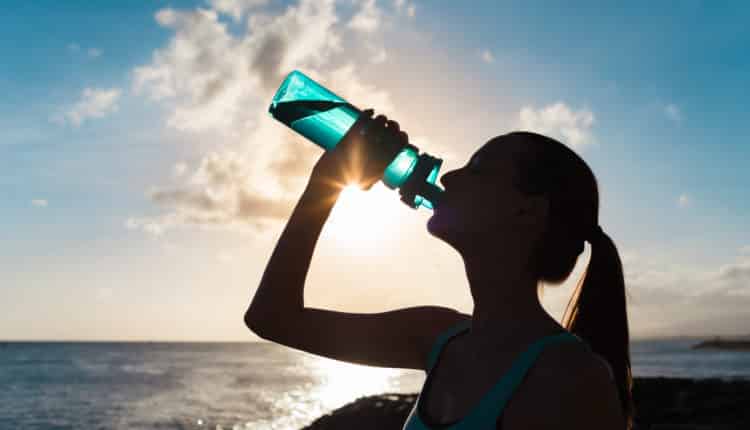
x: 341, y: 382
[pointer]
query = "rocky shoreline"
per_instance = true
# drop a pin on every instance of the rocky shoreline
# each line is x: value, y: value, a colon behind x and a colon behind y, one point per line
x: 724, y: 344
x: 662, y: 404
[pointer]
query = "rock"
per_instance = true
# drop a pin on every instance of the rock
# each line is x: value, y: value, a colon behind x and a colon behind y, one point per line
x: 661, y: 404
x: 730, y: 345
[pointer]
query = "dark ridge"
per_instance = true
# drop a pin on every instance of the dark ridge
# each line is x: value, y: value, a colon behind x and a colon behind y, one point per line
x: 661, y: 403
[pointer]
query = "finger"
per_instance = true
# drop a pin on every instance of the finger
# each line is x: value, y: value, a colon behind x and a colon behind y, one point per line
x: 377, y: 127
x: 380, y: 121
x: 378, y: 132
x: 392, y: 125
x: 403, y: 136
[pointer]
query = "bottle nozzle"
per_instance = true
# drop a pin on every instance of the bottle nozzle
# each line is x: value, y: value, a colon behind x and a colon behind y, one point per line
x: 432, y: 193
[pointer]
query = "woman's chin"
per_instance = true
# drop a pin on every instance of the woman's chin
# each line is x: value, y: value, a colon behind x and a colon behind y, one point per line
x: 436, y: 225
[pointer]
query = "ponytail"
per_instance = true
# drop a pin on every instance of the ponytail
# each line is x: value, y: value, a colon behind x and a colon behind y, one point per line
x: 597, y: 313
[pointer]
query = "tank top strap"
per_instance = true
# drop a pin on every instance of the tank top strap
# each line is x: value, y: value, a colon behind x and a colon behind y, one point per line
x: 492, y: 405
x: 441, y: 340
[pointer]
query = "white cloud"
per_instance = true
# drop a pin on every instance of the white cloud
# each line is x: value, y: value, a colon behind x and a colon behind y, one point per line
x: 179, y: 169
x: 153, y: 226
x: 402, y: 6
x: 219, y: 83
x: 487, y: 56
x: 94, y: 103
x: 659, y: 291
x: 212, y: 76
x: 684, y: 200
x: 367, y: 19
x: 673, y: 112
x: 738, y: 271
x: 379, y: 56
x: 235, y: 8
x: 40, y: 203
x: 91, y: 52
x: 745, y: 249
x: 572, y: 127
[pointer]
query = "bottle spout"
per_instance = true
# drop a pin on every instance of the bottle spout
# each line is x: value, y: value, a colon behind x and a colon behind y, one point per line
x: 433, y: 194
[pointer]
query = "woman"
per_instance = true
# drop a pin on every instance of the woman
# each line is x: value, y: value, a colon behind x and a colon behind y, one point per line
x: 518, y: 214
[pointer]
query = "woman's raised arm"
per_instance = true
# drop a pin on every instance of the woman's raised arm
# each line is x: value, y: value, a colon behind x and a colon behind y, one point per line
x: 398, y: 338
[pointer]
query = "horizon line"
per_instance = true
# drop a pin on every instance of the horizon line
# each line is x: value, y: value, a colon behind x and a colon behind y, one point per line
x: 7, y: 341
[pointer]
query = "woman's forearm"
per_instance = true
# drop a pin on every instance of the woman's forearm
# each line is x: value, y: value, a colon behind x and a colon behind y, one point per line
x: 281, y: 289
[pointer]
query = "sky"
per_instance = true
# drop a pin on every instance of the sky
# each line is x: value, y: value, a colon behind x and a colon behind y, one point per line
x: 144, y: 184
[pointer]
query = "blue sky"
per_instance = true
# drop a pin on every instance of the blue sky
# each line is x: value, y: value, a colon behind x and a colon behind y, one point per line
x: 109, y: 135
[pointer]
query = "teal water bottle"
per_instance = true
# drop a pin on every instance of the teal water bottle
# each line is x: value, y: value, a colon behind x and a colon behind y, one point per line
x: 323, y: 117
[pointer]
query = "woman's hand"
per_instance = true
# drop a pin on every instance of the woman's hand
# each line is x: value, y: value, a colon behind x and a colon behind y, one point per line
x: 362, y: 154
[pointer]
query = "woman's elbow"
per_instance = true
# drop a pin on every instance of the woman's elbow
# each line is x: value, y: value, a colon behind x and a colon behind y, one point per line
x: 253, y: 321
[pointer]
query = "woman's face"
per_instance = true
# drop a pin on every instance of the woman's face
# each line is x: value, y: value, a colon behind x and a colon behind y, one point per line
x: 481, y: 204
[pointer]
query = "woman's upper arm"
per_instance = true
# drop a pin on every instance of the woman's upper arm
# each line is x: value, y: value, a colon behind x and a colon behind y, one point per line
x: 400, y: 338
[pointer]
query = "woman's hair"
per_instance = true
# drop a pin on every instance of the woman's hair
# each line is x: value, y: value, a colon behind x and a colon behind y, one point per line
x: 597, y: 310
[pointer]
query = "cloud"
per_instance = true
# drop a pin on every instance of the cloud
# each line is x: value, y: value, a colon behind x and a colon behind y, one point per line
x: 179, y: 169
x: 212, y: 76
x: 367, y: 19
x: 670, y: 297
x: 673, y: 112
x: 94, y: 103
x: 218, y: 83
x: 235, y: 8
x: 402, y: 6
x: 684, y: 200
x: 745, y: 249
x: 91, y: 52
x: 736, y: 272
x: 379, y: 55
x: 487, y: 56
x: 40, y: 203
x: 572, y: 127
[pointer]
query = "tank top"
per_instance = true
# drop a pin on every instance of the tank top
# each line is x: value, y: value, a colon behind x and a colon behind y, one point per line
x: 487, y: 413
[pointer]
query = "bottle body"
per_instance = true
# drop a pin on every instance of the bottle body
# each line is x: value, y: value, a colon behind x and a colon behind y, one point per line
x: 324, y: 118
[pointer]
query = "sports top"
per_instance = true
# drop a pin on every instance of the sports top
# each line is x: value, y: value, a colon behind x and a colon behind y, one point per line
x: 488, y: 412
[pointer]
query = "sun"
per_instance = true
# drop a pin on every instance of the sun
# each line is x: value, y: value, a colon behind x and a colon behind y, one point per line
x: 361, y: 221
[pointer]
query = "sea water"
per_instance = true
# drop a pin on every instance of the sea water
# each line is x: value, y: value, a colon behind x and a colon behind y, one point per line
x: 255, y: 385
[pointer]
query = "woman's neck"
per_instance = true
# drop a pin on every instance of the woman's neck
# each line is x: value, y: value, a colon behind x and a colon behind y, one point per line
x: 506, y: 306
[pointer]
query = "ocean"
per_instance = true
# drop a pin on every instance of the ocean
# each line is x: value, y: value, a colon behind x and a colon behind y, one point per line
x: 236, y: 385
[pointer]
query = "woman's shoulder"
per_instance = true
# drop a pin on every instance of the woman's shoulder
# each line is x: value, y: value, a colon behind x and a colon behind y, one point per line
x: 567, y: 378
x: 566, y: 359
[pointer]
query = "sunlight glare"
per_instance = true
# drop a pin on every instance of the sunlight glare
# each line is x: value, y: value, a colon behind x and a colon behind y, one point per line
x: 342, y: 382
x: 362, y: 220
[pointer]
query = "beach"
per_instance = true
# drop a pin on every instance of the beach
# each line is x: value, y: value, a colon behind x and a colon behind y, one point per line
x: 661, y: 403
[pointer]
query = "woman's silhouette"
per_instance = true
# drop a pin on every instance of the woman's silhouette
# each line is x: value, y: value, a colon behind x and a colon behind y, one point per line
x: 518, y: 214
